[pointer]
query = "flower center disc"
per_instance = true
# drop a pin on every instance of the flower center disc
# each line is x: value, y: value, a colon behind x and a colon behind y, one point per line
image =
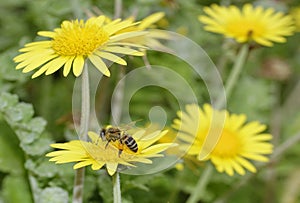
x: 77, y: 38
x: 246, y: 28
x: 228, y: 145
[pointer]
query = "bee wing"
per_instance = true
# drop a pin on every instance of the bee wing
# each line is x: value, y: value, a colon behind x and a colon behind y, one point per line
x: 128, y: 126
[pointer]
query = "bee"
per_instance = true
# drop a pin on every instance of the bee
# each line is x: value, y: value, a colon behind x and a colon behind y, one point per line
x: 112, y: 134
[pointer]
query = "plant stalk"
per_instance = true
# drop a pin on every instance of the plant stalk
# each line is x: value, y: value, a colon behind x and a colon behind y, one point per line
x: 117, y: 188
x: 199, y: 190
x: 234, y: 74
x: 118, y: 8
x: 84, y: 124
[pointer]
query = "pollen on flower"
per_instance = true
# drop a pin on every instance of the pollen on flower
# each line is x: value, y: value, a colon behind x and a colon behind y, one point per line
x: 79, y: 39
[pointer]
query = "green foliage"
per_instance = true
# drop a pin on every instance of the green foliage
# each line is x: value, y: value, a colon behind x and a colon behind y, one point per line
x: 26, y: 106
x: 53, y: 195
x: 256, y: 96
x: 32, y: 142
x: 16, y: 189
x: 10, y: 155
x: 28, y: 129
x: 105, y: 187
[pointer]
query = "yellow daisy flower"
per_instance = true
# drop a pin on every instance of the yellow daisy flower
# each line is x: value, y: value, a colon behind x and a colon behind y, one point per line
x: 76, y: 41
x: 97, y: 154
x: 263, y: 26
x: 236, y: 143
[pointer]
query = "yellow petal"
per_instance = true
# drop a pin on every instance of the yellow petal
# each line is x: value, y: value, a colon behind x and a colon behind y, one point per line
x: 123, y: 50
x: 155, y: 149
x: 42, y: 70
x: 146, y: 22
x: 97, y: 165
x: 78, y: 64
x: 111, y: 29
x: 56, y: 64
x: 111, y: 57
x: 82, y: 164
x: 68, y: 66
x: 246, y: 164
x: 99, y: 64
x: 111, y: 168
x: 126, y: 35
x: 38, y: 62
x: 47, y: 34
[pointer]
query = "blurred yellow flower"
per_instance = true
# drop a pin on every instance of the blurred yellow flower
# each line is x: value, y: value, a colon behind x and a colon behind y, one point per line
x: 237, y: 141
x: 295, y: 13
x: 76, y: 41
x: 97, y: 154
x: 152, y: 37
x: 264, y: 26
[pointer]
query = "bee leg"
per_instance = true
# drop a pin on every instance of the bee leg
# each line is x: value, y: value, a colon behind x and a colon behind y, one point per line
x: 120, y: 152
x: 97, y: 141
x: 107, y: 144
x: 121, y: 147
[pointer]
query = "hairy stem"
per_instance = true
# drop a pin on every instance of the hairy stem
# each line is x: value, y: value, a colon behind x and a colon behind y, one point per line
x: 234, y: 74
x: 117, y: 188
x: 84, y: 124
x: 118, y: 8
x: 200, y: 188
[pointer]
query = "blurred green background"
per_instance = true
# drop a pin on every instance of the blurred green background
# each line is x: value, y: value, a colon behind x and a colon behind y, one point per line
x: 35, y: 113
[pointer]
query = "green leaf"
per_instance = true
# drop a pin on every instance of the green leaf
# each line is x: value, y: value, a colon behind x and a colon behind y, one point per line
x: 16, y: 190
x: 8, y: 71
x: 10, y: 154
x: 37, y: 124
x: 27, y: 137
x: 44, y: 169
x: 7, y: 100
x: 38, y: 147
x: 53, y: 195
x: 21, y: 112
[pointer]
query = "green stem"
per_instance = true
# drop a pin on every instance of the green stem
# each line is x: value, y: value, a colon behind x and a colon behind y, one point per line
x: 117, y: 188
x: 234, y: 74
x: 85, y: 104
x: 84, y: 124
x: 199, y: 190
x: 78, y: 186
x: 118, y: 8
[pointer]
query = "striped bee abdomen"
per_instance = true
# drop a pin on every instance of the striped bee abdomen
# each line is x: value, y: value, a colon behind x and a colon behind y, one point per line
x: 131, y: 144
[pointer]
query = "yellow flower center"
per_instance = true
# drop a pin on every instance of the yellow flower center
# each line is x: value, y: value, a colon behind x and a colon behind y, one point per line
x: 246, y: 28
x: 77, y: 38
x: 228, y: 145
